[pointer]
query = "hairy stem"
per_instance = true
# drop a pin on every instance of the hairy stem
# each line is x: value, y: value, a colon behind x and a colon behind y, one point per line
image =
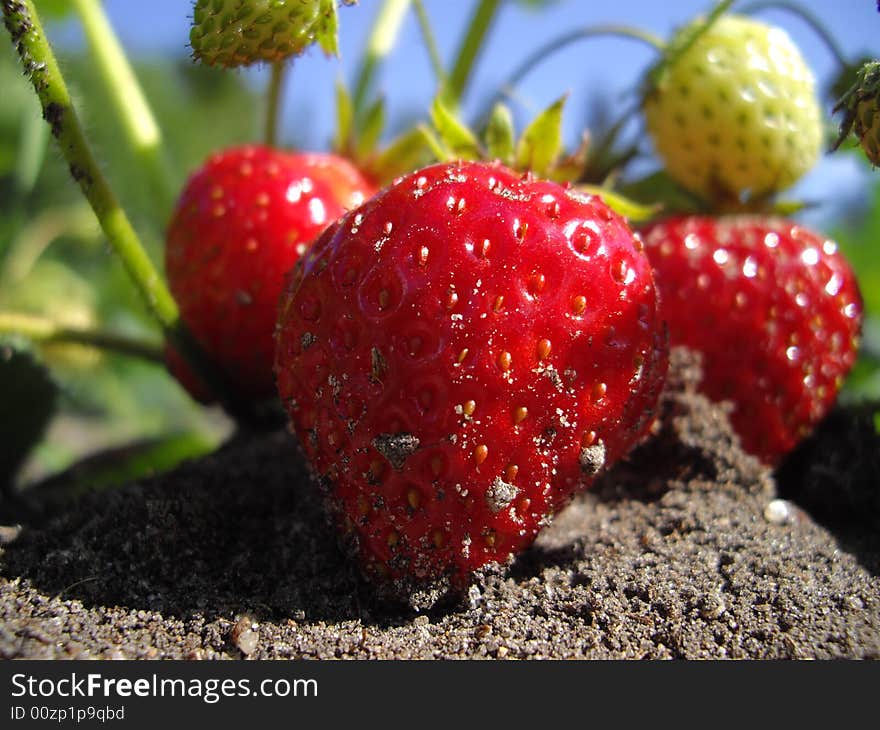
x: 274, y: 102
x: 468, y: 50
x: 382, y: 38
x: 128, y: 102
x: 44, y: 330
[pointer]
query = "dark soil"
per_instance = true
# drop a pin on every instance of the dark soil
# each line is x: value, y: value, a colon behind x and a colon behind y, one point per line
x: 683, y: 551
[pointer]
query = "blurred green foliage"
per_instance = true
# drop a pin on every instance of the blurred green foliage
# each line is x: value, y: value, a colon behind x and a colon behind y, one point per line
x: 54, y: 261
x: 858, y: 234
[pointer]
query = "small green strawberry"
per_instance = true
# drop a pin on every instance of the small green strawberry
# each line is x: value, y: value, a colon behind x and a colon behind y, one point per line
x: 861, y: 107
x: 732, y: 110
x: 241, y: 32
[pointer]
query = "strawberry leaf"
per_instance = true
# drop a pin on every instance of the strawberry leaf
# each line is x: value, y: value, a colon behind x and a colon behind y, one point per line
x: 454, y: 136
x: 541, y: 141
x: 500, y: 135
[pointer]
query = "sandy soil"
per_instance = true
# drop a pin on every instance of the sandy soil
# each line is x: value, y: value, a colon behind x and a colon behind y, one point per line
x: 683, y: 551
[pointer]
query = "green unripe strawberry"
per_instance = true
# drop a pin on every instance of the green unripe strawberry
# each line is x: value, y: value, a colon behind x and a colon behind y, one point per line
x: 734, y: 113
x: 861, y: 105
x: 240, y: 32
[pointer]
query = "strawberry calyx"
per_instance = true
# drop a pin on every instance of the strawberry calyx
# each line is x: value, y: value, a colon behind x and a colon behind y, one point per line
x: 538, y: 151
x: 861, y: 112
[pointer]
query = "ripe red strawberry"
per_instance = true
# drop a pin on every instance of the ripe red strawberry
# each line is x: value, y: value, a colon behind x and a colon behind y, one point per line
x: 242, y: 221
x: 459, y: 355
x: 775, y: 311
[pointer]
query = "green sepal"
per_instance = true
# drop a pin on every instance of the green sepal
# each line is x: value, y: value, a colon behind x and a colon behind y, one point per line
x: 456, y: 139
x: 660, y: 189
x: 344, y: 118
x: 500, y: 135
x: 620, y: 204
x: 438, y: 149
x: 788, y: 208
x: 541, y: 141
x: 406, y: 152
x: 570, y: 168
x: 327, y: 33
x: 371, y: 129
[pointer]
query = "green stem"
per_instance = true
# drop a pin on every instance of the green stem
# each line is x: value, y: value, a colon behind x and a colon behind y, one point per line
x: 805, y: 15
x: 430, y: 41
x: 44, y: 330
x: 468, y: 50
x: 128, y: 102
x: 382, y: 39
x: 567, y: 39
x: 273, y: 106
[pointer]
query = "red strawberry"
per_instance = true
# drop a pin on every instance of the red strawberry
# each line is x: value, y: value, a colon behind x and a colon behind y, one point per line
x: 459, y: 355
x: 240, y: 224
x: 773, y: 308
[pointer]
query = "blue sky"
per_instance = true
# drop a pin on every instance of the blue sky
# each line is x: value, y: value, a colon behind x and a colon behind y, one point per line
x: 612, y: 66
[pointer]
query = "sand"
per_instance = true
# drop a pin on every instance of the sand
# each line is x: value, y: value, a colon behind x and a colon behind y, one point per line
x: 685, y: 550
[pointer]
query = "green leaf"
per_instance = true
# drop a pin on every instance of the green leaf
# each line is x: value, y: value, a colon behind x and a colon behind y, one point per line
x: 371, y: 129
x: 28, y: 397
x: 409, y: 151
x: 620, y: 204
x: 541, y: 142
x: 500, y: 135
x: 454, y: 135
x: 344, y: 118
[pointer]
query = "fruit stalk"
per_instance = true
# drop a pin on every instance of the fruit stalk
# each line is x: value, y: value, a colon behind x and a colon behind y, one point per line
x: 128, y: 101
x: 430, y: 41
x: 45, y: 330
x: 468, y: 50
x: 379, y: 44
x: 273, y: 105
